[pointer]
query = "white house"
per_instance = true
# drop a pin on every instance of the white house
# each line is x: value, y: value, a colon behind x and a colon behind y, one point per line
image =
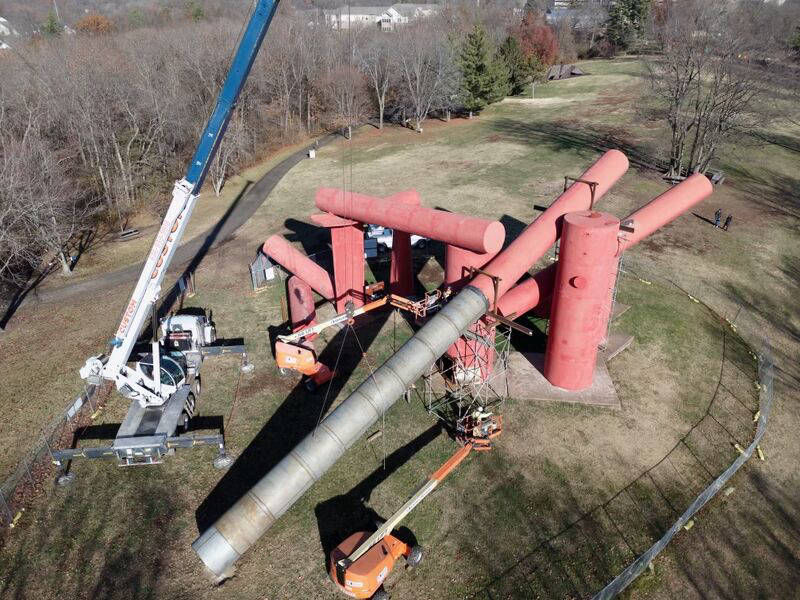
x: 6, y: 29
x: 390, y: 18
x: 385, y: 18
x: 355, y: 16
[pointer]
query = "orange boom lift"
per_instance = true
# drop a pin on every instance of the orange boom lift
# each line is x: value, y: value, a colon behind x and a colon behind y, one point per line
x: 361, y: 563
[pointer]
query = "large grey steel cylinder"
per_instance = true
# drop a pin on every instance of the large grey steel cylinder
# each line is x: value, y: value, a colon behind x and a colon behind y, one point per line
x: 221, y: 545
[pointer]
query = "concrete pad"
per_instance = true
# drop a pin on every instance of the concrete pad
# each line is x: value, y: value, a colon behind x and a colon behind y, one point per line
x: 619, y: 310
x: 617, y: 342
x: 526, y: 382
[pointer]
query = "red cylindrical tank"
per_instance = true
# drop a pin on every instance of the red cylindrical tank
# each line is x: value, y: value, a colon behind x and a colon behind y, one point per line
x: 457, y: 260
x: 472, y: 233
x: 584, y: 275
x: 297, y: 263
x: 535, y: 239
x: 302, y: 311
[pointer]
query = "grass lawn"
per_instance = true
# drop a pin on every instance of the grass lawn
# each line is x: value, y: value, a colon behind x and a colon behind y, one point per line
x: 570, y: 494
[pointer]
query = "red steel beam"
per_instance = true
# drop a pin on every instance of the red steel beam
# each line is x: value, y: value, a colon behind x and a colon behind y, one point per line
x: 665, y: 208
x: 471, y: 233
x: 657, y: 213
x: 302, y: 311
x: 297, y: 263
x: 401, y: 276
x: 536, y: 238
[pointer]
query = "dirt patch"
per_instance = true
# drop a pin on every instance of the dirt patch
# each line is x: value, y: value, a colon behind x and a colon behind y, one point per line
x: 545, y: 101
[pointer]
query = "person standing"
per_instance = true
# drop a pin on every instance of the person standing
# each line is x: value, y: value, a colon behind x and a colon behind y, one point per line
x: 717, y: 217
x: 727, y: 224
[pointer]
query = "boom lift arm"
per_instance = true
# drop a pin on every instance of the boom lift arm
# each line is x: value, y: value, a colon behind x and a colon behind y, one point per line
x: 361, y: 563
x: 184, y: 196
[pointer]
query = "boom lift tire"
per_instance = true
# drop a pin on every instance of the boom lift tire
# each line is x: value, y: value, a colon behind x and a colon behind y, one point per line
x: 381, y: 594
x: 414, y: 557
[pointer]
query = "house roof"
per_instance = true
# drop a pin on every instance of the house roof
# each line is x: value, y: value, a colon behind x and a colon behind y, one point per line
x: 357, y: 10
x: 5, y: 27
x: 409, y: 10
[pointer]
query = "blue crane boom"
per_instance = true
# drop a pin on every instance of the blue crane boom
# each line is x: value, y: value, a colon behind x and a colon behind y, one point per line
x: 237, y: 75
x: 184, y: 197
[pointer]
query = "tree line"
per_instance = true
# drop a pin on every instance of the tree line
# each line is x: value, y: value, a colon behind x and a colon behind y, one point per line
x: 96, y: 126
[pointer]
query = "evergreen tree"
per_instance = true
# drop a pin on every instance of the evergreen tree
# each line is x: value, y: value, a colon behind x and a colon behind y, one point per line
x: 795, y: 41
x: 195, y: 10
x: 521, y: 69
x: 485, y: 77
x: 51, y: 27
x: 499, y: 82
x: 476, y: 71
x: 626, y: 21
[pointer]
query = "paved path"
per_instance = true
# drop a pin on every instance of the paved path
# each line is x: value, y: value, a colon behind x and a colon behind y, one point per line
x: 195, y: 249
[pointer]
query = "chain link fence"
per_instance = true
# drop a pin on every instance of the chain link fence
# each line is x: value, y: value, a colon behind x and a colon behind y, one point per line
x: 605, y: 549
x: 637, y: 567
x: 35, y: 468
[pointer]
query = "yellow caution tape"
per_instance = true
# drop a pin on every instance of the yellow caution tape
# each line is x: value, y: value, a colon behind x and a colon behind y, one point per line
x: 16, y: 518
x: 756, y: 416
x: 689, y: 524
x: 728, y: 491
x: 760, y: 453
x: 644, y: 281
x: 739, y: 448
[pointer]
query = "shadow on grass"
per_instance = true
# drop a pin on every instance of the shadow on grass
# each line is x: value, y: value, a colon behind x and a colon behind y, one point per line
x: 775, y: 192
x: 561, y: 136
x: 95, y: 541
x: 572, y: 556
x: 295, y: 418
x: 341, y: 516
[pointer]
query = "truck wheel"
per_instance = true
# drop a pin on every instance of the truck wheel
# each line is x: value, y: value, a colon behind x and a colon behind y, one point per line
x: 381, y: 594
x: 183, y: 422
x: 196, y: 387
x: 414, y: 557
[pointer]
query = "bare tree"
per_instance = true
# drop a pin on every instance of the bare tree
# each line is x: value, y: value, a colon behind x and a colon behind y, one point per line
x: 230, y: 151
x: 707, y: 80
x: 427, y: 72
x: 375, y: 58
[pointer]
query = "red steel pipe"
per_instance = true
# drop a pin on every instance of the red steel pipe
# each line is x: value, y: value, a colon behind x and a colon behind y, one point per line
x: 297, y: 263
x: 472, y: 233
x: 666, y: 208
x: 536, y: 238
x: 401, y: 276
x: 457, y: 261
x: 584, y: 278
x: 527, y: 295
x: 302, y: 311
x: 661, y: 210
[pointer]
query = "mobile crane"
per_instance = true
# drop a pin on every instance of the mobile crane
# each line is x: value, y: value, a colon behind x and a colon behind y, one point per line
x: 159, y: 388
